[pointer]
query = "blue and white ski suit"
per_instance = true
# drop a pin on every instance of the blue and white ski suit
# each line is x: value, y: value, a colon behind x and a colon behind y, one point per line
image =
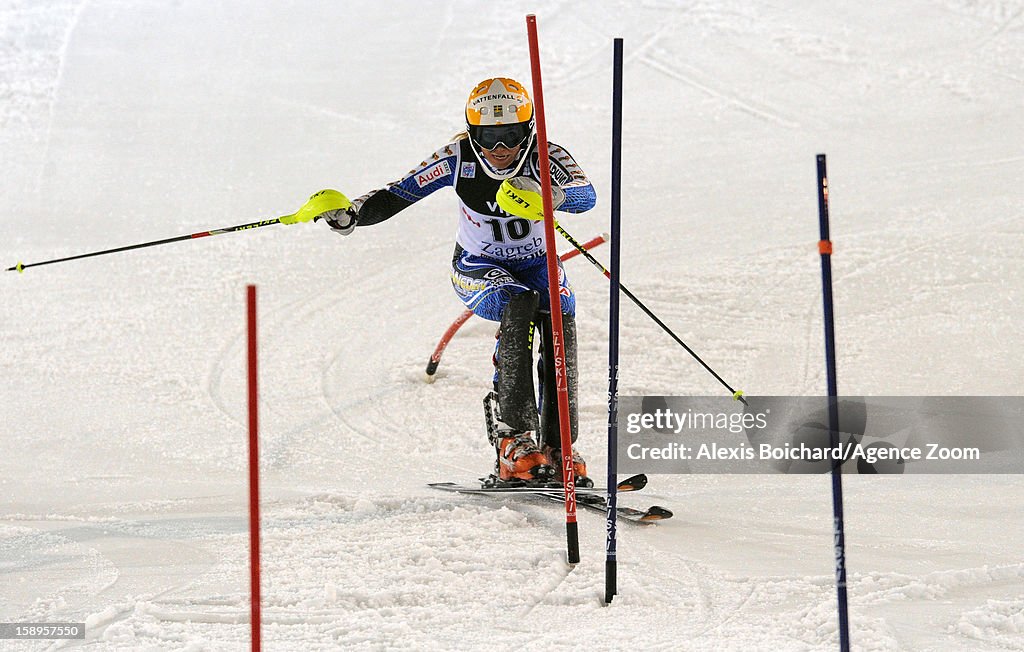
x: 497, y: 255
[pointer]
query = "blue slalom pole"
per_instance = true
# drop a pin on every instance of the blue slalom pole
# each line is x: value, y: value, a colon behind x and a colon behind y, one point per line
x: 825, y: 248
x: 613, y: 324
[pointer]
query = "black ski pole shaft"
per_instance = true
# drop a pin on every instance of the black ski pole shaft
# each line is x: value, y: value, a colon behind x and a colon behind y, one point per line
x: 611, y: 543
x: 20, y: 267
x: 839, y: 536
x: 736, y: 394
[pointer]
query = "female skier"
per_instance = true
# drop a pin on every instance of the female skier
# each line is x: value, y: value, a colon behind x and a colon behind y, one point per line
x: 499, y: 269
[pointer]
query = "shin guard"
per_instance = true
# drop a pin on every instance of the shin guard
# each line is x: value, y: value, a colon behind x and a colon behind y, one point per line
x: 550, y: 431
x: 516, y: 397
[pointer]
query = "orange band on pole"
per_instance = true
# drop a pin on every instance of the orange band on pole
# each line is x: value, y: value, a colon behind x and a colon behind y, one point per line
x: 825, y: 247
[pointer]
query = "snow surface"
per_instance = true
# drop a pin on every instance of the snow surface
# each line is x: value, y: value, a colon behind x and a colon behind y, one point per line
x: 123, y: 402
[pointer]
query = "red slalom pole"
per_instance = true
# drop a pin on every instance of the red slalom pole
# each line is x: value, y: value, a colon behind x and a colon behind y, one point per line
x: 435, y: 357
x: 554, y: 302
x: 254, y: 475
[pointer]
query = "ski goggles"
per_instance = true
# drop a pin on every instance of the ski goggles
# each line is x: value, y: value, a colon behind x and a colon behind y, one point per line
x: 508, y: 136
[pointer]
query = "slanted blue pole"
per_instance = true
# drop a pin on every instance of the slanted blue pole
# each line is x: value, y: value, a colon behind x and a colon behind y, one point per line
x: 825, y: 248
x: 613, y: 324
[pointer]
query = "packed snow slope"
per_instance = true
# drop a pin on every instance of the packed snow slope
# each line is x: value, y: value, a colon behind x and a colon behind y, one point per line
x: 123, y: 409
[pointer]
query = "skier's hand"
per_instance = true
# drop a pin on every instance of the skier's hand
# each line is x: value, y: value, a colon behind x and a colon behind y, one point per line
x: 341, y: 221
x: 318, y: 205
x: 521, y: 196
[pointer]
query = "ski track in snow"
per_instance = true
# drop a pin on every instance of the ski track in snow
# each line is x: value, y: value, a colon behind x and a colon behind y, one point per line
x: 125, y: 415
x: 62, y: 55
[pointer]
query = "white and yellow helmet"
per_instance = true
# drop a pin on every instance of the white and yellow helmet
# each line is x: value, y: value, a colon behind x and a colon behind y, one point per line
x: 499, y: 112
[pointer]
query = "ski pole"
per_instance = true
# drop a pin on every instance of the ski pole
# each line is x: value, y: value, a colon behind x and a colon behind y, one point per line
x: 21, y: 267
x: 322, y: 201
x: 736, y: 394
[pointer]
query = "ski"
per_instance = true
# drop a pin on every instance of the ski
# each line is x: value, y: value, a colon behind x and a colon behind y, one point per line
x: 599, y: 503
x: 592, y: 498
x: 491, y: 484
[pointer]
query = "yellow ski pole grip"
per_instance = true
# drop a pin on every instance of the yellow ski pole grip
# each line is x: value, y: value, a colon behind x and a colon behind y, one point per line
x: 318, y: 204
x: 520, y: 202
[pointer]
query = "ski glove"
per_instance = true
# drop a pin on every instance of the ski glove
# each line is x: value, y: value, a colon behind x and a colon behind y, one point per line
x: 342, y: 220
x: 319, y: 206
x: 521, y: 196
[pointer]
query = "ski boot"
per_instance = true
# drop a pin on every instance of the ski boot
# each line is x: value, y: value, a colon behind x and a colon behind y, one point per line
x: 579, y: 466
x: 518, y: 457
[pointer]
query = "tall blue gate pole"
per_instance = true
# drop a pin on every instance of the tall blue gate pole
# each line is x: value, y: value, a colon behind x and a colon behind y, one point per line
x: 825, y: 248
x: 610, y: 588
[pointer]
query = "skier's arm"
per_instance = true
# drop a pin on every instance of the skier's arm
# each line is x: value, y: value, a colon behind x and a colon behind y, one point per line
x: 569, y: 176
x: 436, y: 172
x: 571, y: 190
